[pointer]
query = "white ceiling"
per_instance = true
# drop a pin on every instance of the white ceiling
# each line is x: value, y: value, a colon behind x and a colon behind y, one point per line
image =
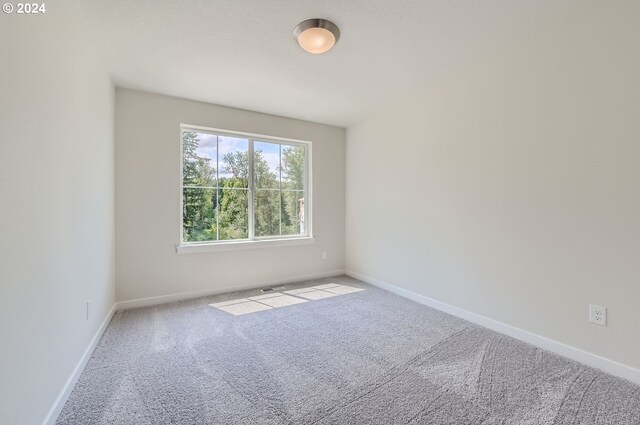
x: 241, y: 53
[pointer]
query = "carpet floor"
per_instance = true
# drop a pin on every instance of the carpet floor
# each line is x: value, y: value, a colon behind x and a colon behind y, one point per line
x: 368, y: 357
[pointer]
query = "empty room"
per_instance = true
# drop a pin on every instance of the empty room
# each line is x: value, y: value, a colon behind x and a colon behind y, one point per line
x: 342, y: 212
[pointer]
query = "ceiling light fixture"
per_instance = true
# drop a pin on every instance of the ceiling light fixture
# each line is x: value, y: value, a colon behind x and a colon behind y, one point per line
x: 316, y: 35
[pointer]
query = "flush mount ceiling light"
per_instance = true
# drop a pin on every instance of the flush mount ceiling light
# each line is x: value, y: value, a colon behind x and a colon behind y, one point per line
x: 316, y: 35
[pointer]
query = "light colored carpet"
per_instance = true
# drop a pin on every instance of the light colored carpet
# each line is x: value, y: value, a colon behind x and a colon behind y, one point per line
x: 368, y: 357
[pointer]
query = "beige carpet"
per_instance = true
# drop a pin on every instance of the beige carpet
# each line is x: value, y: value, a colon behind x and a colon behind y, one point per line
x: 367, y: 357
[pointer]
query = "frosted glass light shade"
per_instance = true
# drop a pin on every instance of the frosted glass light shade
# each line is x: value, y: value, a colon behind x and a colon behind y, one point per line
x: 316, y: 40
x: 316, y: 35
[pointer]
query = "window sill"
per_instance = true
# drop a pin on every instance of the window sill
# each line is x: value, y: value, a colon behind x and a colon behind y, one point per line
x: 240, y: 245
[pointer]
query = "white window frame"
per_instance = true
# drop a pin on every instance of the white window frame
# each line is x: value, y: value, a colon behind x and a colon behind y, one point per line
x: 252, y: 241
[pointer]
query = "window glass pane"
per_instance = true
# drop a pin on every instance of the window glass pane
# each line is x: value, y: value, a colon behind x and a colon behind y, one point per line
x: 266, y: 165
x: 267, y: 212
x: 199, y: 215
x: 199, y: 159
x: 233, y: 221
x: 292, y: 212
x: 233, y: 161
x: 293, y: 163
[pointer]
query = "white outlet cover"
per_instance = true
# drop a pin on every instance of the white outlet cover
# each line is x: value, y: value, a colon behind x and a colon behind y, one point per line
x: 598, y: 314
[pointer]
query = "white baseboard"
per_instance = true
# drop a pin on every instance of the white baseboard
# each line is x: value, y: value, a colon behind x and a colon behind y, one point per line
x: 55, y: 410
x: 593, y: 360
x: 163, y: 299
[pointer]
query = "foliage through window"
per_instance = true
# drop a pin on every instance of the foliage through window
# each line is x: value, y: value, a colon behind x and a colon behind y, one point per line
x: 240, y: 187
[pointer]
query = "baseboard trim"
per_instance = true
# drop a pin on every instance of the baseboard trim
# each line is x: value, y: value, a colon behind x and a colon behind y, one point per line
x: 593, y: 360
x: 163, y: 299
x: 62, y: 398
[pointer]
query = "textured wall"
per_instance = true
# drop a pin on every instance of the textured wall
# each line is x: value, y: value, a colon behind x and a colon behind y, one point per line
x: 148, y: 201
x: 512, y: 186
x: 57, y: 208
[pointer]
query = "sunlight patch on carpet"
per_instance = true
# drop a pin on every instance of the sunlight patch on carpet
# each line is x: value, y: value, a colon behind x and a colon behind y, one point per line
x: 283, y: 299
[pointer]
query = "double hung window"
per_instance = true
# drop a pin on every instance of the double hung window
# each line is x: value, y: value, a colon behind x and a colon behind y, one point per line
x: 243, y: 187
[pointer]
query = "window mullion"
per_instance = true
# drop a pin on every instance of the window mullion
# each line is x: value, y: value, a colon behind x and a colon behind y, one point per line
x: 306, y: 189
x: 280, y: 187
x: 217, y: 187
x: 250, y: 187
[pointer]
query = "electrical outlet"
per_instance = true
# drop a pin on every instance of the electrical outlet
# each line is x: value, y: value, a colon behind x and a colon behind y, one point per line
x: 324, y: 255
x: 88, y: 303
x: 598, y: 315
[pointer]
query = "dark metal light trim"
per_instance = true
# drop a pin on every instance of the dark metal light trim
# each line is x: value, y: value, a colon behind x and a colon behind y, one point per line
x: 317, y: 23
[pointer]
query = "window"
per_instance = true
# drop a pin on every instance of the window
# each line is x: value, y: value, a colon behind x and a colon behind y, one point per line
x: 242, y: 187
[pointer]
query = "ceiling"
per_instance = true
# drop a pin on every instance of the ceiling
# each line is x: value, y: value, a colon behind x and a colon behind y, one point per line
x: 241, y: 53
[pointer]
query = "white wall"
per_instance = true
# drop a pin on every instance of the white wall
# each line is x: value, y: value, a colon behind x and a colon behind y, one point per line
x: 57, y: 211
x: 148, y: 199
x: 511, y: 189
